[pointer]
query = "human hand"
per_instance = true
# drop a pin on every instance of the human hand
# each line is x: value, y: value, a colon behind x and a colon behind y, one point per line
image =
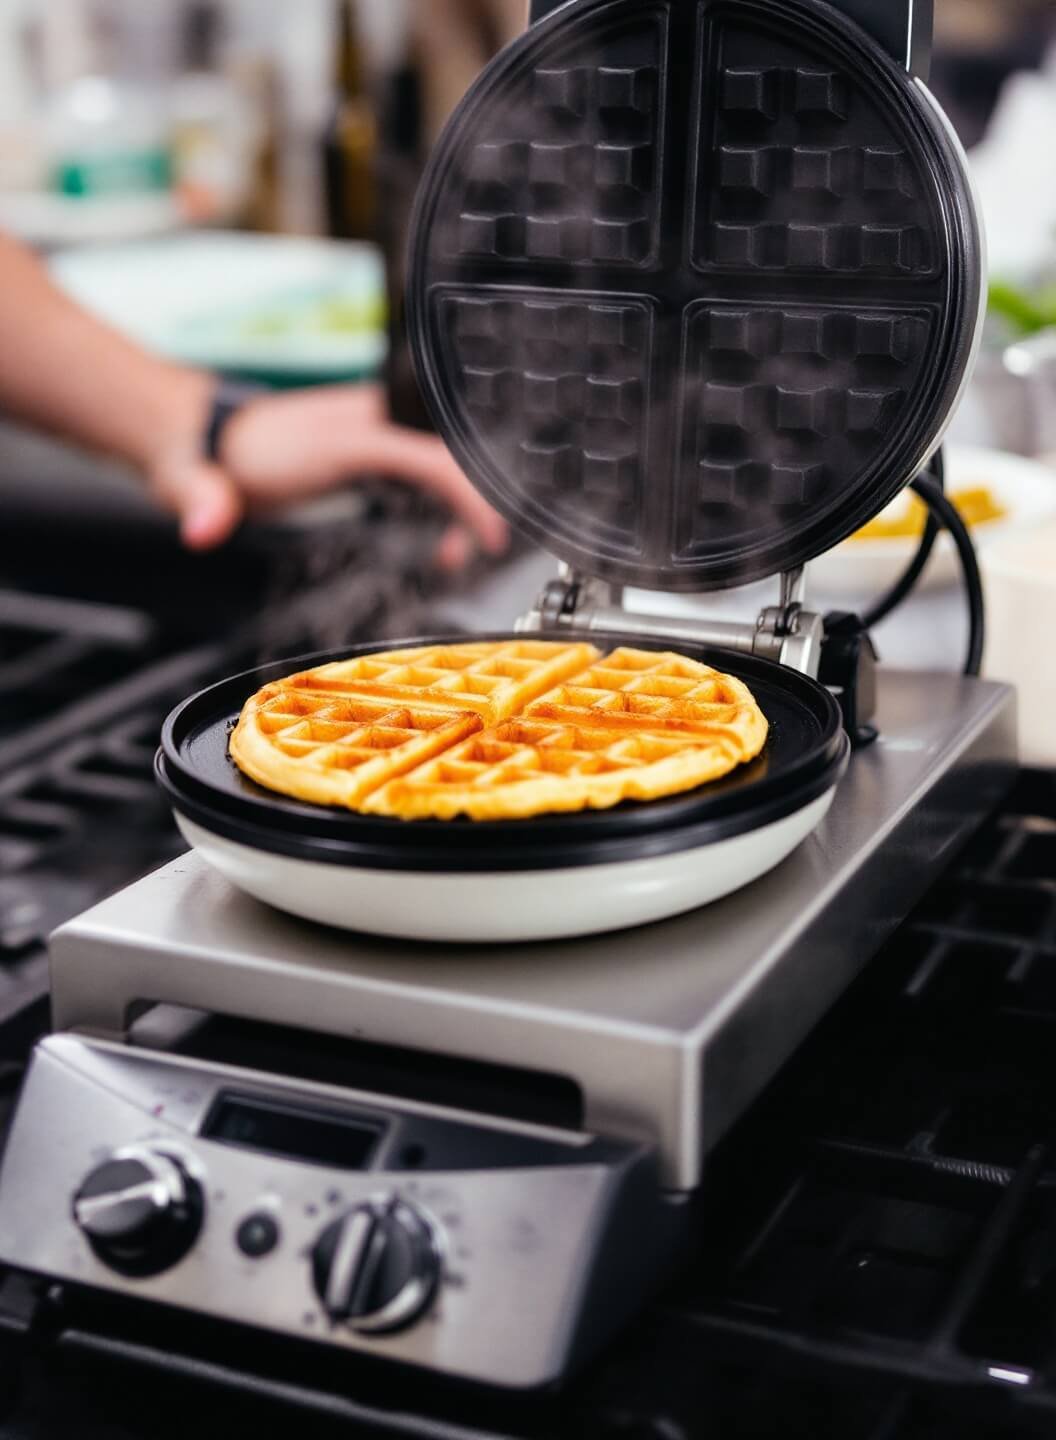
x: 286, y: 447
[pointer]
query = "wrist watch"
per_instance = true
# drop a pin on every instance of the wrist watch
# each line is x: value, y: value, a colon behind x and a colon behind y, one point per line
x: 229, y: 396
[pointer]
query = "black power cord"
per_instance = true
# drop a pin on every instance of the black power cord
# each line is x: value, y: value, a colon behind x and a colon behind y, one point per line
x: 894, y: 597
x: 942, y: 515
x: 848, y: 663
x: 946, y: 514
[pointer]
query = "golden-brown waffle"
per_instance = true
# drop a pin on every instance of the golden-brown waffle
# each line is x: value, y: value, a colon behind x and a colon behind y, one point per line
x: 497, y: 731
x: 656, y: 689
x: 338, y: 752
x: 532, y: 767
x: 492, y: 679
x: 637, y: 725
x: 334, y: 734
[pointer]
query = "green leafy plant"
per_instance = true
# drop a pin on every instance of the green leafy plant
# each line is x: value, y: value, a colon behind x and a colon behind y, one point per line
x: 1024, y: 311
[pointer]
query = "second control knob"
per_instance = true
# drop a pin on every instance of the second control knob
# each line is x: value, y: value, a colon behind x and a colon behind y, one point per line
x: 140, y: 1210
x: 377, y: 1266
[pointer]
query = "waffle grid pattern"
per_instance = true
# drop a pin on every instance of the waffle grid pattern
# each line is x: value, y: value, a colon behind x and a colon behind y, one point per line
x: 865, y: 359
x: 501, y: 730
x: 664, y: 689
x: 806, y: 177
x: 796, y: 209
x: 489, y: 679
x: 575, y: 374
x: 582, y: 189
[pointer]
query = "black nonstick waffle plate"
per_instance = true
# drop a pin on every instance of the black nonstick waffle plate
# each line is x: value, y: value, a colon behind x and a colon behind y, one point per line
x: 805, y: 757
x: 694, y: 286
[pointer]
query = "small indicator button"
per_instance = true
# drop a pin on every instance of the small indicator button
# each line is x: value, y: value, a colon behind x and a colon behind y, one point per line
x: 257, y: 1235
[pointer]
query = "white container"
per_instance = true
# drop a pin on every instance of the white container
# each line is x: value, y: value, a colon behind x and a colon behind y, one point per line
x: 1025, y: 489
x: 1020, y: 578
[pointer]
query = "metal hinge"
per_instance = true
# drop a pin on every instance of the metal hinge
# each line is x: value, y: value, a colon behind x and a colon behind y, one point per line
x: 786, y: 632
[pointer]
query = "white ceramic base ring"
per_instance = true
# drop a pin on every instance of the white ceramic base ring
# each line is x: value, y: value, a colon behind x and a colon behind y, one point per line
x: 506, y: 906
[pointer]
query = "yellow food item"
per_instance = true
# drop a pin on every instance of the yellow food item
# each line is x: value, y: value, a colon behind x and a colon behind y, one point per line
x: 906, y: 522
x: 497, y: 730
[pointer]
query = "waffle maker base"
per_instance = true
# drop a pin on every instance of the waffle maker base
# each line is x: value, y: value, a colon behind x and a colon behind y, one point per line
x: 545, y: 878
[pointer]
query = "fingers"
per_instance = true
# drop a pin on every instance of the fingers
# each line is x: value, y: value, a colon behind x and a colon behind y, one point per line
x: 209, y: 507
x: 425, y: 461
x: 455, y: 549
x: 287, y: 447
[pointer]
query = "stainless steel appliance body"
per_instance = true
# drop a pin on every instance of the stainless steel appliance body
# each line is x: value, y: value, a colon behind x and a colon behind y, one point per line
x: 670, y: 1029
x: 480, y: 1249
x: 519, y: 1247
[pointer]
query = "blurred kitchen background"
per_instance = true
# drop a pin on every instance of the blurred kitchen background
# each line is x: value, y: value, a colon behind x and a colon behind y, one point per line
x: 230, y: 181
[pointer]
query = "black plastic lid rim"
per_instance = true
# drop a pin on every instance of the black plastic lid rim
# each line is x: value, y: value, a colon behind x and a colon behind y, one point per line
x: 249, y: 815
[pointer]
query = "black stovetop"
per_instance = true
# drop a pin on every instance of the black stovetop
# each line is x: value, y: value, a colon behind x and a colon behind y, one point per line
x: 877, y: 1240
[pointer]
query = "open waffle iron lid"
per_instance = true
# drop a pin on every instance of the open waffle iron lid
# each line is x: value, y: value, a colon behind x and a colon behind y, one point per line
x: 694, y: 285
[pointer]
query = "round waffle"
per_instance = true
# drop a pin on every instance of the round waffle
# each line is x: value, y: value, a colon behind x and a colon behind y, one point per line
x: 497, y: 730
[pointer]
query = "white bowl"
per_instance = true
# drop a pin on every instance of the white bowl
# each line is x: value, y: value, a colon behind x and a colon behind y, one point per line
x: 1025, y: 488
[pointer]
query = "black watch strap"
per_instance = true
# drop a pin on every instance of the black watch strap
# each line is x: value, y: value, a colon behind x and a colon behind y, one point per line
x: 229, y: 396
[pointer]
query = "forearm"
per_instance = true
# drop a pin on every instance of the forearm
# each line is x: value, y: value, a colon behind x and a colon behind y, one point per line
x: 64, y: 371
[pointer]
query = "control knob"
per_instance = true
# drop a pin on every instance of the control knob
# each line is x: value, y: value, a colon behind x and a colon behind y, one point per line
x: 140, y: 1210
x: 376, y: 1268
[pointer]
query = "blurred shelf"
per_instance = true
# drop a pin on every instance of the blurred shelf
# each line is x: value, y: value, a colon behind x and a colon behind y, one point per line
x: 281, y: 309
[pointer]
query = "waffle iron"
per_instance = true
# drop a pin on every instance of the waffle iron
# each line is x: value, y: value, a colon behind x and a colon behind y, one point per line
x: 694, y: 289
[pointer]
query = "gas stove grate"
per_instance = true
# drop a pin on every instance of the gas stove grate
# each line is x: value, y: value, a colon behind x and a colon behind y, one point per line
x: 878, y: 1240
x: 877, y: 1254
x: 87, y: 687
